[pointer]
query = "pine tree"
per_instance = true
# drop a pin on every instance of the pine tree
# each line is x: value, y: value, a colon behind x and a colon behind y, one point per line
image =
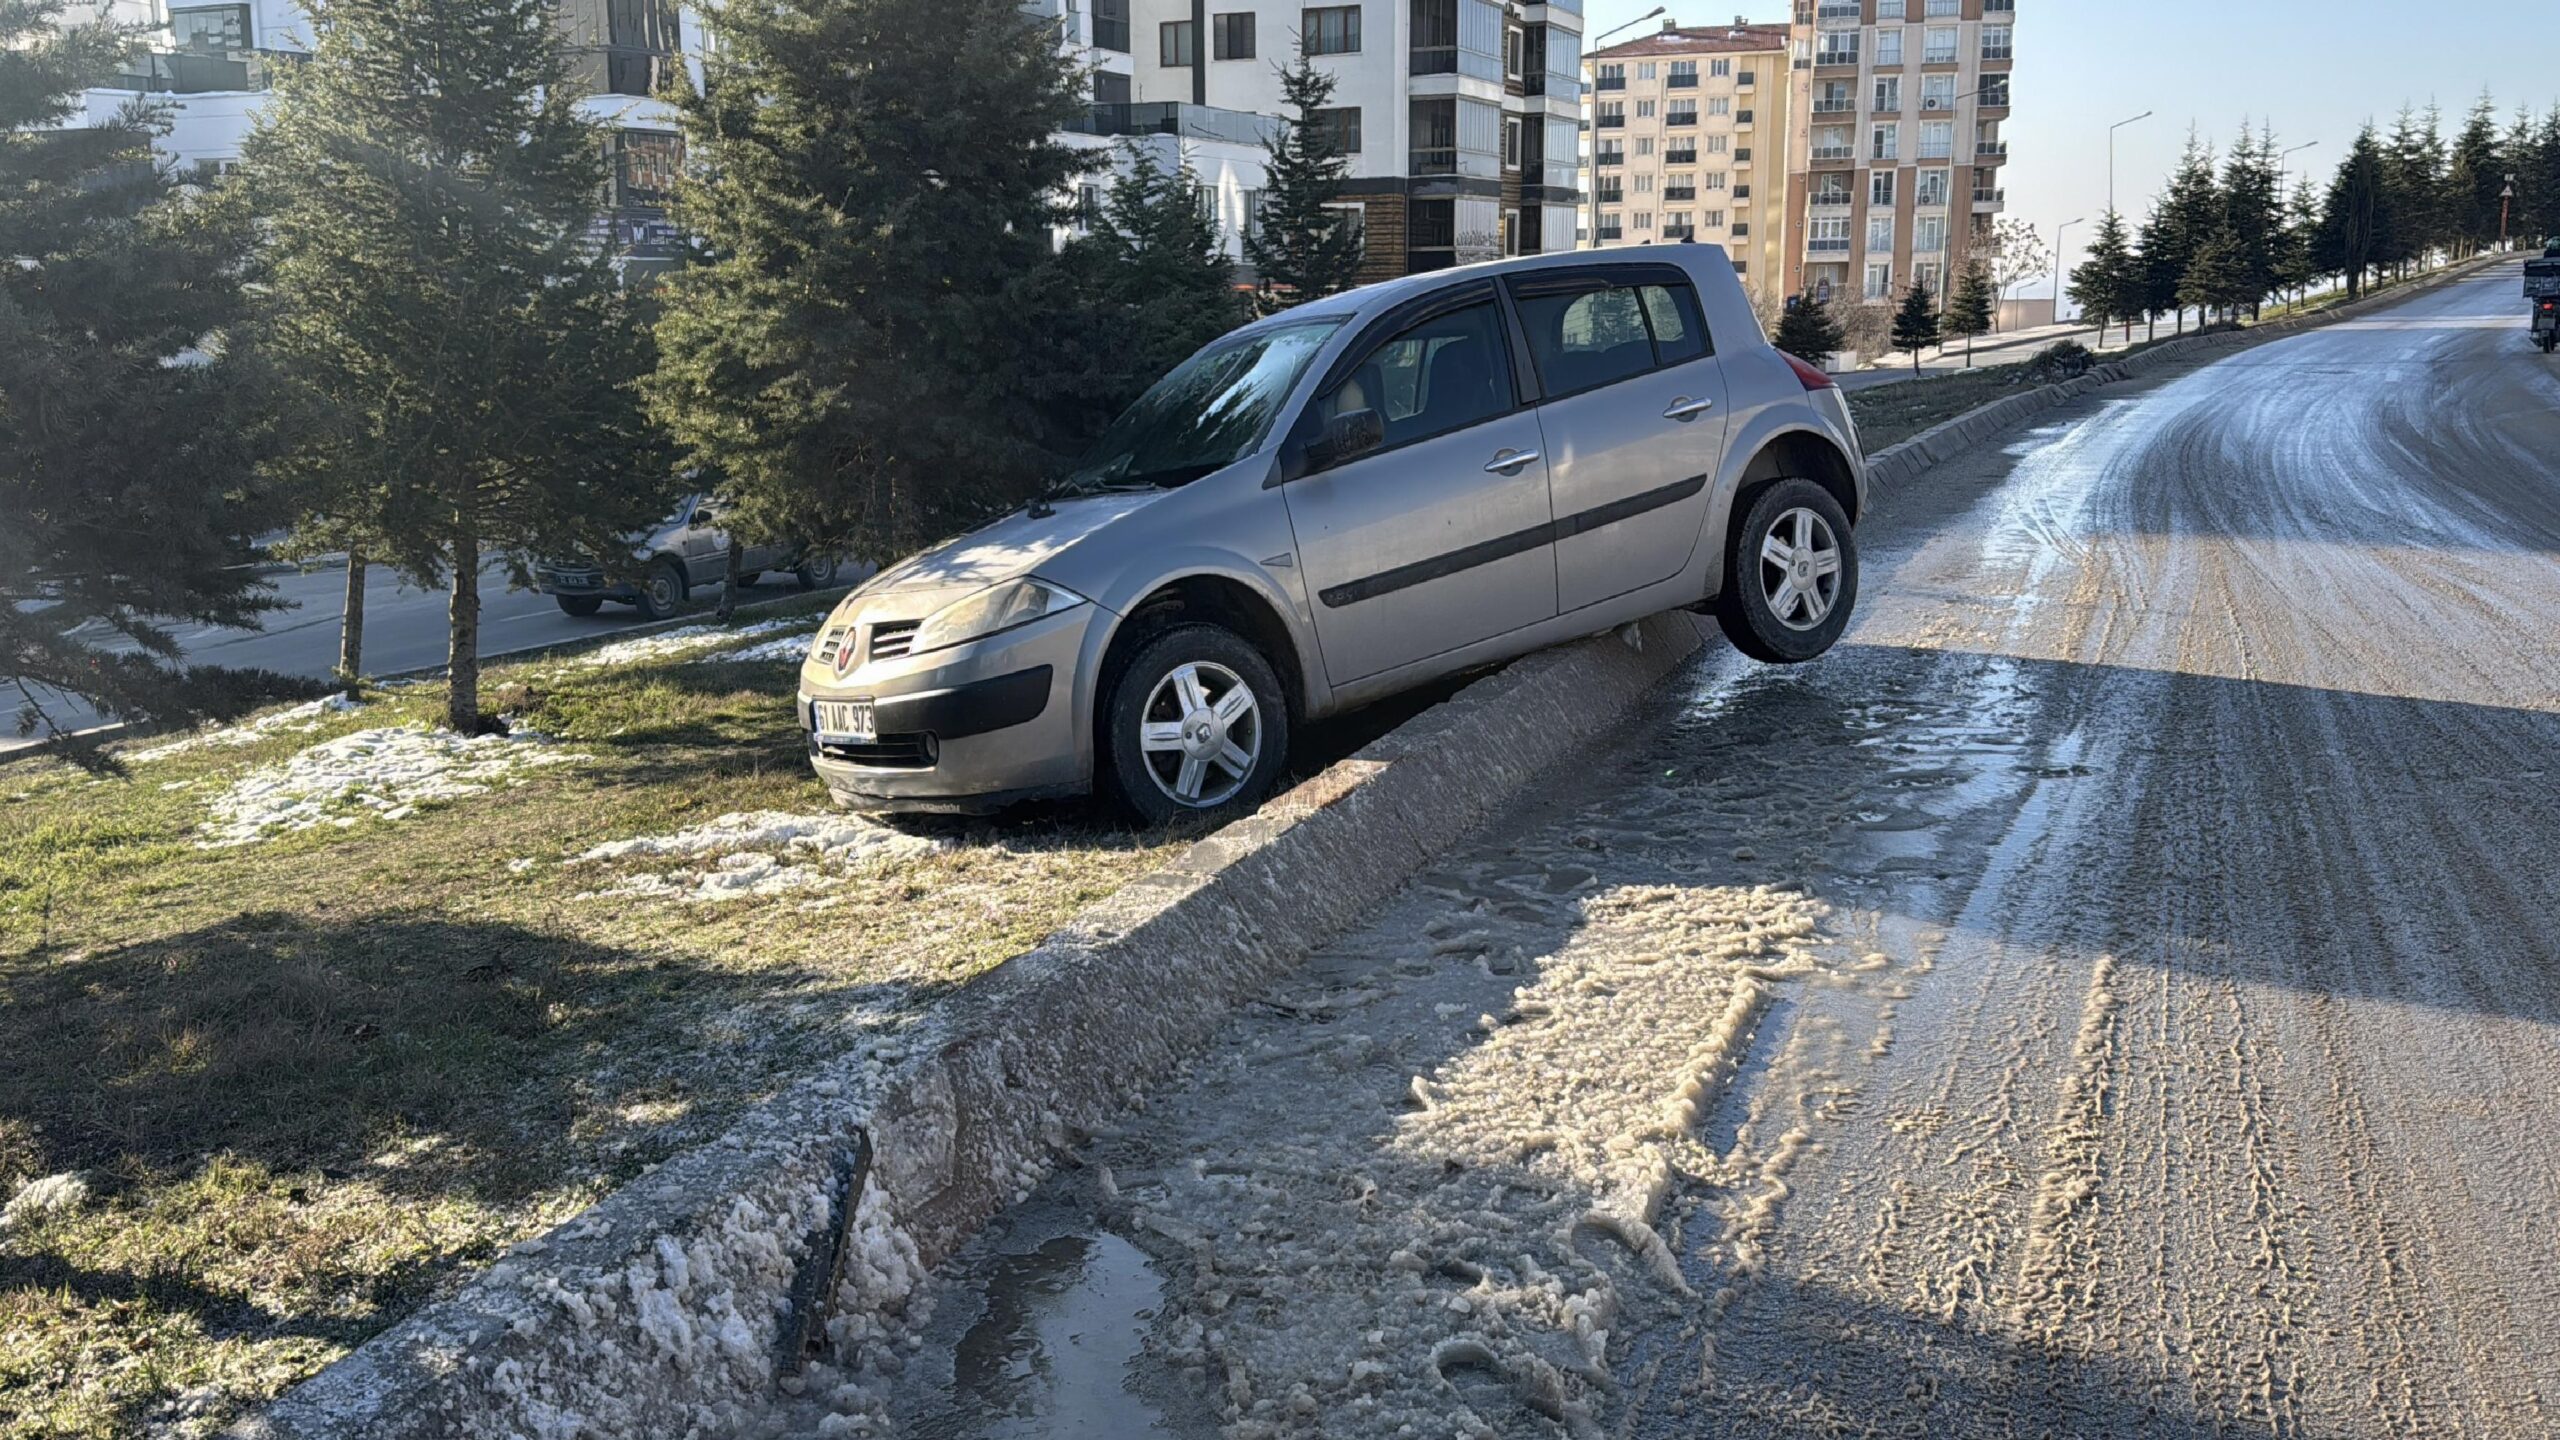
x: 881, y: 341
x: 1163, y: 269
x: 127, y: 438
x: 2217, y: 278
x: 1304, y: 249
x: 2189, y: 212
x: 2156, y: 274
x: 1810, y: 332
x: 1969, y: 309
x: 2355, y: 219
x: 431, y: 200
x: 2252, y: 217
x: 2297, y: 253
x: 2474, y: 178
x: 2108, y: 282
x: 1915, y: 323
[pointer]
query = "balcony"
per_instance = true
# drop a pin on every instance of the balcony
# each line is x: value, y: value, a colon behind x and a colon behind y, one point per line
x: 1675, y: 194
x: 1605, y: 82
x: 1991, y: 198
x: 1682, y: 80
x: 1835, y: 152
x: 1835, y: 107
x: 1820, y: 245
x: 1612, y: 195
x: 1611, y: 122
x: 1827, y: 58
x: 1602, y: 160
x: 1610, y: 234
x: 1443, y: 160
x: 1742, y: 155
x: 1680, y: 117
x: 1680, y: 157
x: 1741, y: 192
x: 1196, y: 122
x: 1746, y: 80
x: 1937, y: 150
x: 1741, y: 117
x: 1997, y: 50
x: 1675, y: 234
x: 1936, y: 56
x: 1830, y: 200
x: 1991, y: 150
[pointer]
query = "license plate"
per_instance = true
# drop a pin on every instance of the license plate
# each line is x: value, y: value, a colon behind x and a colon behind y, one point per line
x: 847, y: 721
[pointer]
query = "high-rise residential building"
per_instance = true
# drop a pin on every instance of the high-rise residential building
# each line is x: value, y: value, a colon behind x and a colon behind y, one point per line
x: 1688, y: 142
x: 1459, y: 116
x: 1895, y: 146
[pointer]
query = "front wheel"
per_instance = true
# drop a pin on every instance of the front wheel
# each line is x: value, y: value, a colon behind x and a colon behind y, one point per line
x: 2550, y: 341
x: 581, y: 606
x: 662, y: 591
x: 1196, y: 727
x: 1790, y: 574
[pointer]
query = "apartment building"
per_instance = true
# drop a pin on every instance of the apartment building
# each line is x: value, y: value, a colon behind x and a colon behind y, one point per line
x: 208, y: 66
x: 1459, y: 116
x: 1895, y: 142
x: 1688, y: 142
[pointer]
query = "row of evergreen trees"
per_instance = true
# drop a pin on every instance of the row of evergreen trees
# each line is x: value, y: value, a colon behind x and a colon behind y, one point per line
x: 399, y: 330
x: 2225, y: 240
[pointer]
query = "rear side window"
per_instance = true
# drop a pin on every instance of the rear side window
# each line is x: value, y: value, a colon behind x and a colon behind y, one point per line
x: 1679, y: 335
x: 1442, y: 374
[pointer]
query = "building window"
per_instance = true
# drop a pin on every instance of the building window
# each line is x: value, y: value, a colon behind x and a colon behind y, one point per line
x: 1610, y: 77
x: 1111, y: 26
x: 1644, y: 144
x: 1932, y: 189
x: 1880, y: 234
x: 1511, y: 144
x: 1334, y: 30
x: 210, y: 29
x: 1938, y: 45
x: 1683, y: 112
x: 1231, y: 36
x: 1995, y: 42
x: 1510, y: 232
x: 1712, y: 219
x: 1612, y: 115
x: 1644, y: 109
x: 1888, y: 46
x: 1343, y: 124
x: 1937, y: 139
x: 1879, y: 282
x: 1513, y: 43
x: 1887, y: 143
x: 1645, y: 70
x: 1088, y: 205
x: 1927, y: 275
x: 1720, y: 69
x: 1609, y: 152
x: 645, y: 163
x: 1929, y: 235
x: 1719, y: 144
x: 1720, y: 105
x: 1995, y: 90
x: 1831, y: 142
x: 1642, y: 220
x: 1833, y: 98
x: 1717, y: 179
x: 1684, y: 74
x: 1840, y: 47
x: 1937, y: 92
x: 1175, y: 44
x: 1889, y: 95
x: 1888, y: 9
x: 1828, y: 235
x: 1609, y: 227
x: 1110, y: 87
x: 1880, y: 189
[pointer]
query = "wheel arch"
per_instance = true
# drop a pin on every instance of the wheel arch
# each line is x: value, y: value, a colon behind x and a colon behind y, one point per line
x: 1220, y: 599
x: 1800, y: 453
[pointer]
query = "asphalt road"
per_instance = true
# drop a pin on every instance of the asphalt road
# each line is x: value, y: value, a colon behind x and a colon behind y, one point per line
x: 2116, y: 993
x: 404, y: 629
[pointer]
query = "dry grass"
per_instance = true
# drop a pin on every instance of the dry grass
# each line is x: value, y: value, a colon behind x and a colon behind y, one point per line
x: 314, y: 1081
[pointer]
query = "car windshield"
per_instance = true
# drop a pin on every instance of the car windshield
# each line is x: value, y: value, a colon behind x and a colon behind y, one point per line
x: 1208, y: 414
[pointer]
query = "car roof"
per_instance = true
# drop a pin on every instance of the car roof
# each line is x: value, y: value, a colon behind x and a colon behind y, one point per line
x: 1369, y: 299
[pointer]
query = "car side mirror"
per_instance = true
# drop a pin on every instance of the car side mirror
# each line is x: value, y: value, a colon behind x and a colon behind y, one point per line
x: 1348, y: 436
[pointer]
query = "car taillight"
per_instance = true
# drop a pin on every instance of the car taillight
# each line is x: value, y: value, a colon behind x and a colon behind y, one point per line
x: 1810, y: 376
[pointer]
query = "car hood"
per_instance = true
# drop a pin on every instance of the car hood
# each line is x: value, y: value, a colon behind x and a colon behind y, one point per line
x: 1015, y: 545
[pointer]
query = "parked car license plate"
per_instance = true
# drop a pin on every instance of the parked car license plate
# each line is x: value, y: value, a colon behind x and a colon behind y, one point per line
x: 847, y: 721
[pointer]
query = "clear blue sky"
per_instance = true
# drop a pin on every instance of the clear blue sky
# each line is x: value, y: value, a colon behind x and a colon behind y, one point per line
x: 2316, y: 70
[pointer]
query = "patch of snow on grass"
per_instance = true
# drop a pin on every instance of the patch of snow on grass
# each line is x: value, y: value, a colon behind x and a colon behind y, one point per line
x: 755, y: 853
x: 298, y: 720
x: 386, y: 773
x: 793, y: 648
x: 670, y: 644
x: 51, y: 1195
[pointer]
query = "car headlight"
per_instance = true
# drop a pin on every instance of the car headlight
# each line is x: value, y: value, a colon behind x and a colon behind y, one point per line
x: 992, y: 611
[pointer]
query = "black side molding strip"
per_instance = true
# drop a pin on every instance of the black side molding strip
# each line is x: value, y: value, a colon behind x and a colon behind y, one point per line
x: 1503, y: 547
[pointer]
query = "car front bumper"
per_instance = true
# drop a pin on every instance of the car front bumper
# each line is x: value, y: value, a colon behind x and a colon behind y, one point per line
x: 579, y: 582
x: 968, y: 729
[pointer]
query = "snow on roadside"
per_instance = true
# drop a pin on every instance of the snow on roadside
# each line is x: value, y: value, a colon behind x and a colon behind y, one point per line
x: 385, y: 773
x: 301, y: 719
x: 756, y: 853
x: 793, y: 648
x: 671, y: 644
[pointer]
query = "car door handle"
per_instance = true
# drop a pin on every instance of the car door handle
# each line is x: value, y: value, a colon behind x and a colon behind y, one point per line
x: 1511, y: 462
x: 1685, y: 408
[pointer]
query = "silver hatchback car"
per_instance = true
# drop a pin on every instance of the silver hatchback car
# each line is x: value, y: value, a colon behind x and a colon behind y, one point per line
x: 1343, y: 501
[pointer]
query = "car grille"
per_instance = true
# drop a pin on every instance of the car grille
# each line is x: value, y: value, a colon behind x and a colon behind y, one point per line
x: 831, y: 644
x: 889, y: 752
x: 893, y: 638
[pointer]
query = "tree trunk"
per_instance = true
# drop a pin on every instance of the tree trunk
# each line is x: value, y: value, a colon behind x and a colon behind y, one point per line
x: 729, y: 579
x: 1968, y: 349
x: 462, y: 654
x: 351, y: 622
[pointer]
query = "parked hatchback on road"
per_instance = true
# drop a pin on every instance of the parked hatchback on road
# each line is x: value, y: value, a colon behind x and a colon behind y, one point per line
x: 1346, y: 500
x: 687, y: 549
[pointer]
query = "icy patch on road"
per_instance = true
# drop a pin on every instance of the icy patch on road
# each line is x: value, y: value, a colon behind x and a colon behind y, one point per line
x: 299, y: 720
x: 757, y: 853
x: 385, y: 773
x: 684, y: 641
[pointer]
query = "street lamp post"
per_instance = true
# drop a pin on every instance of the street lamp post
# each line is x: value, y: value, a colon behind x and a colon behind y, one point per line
x: 2283, y: 172
x: 1593, y: 131
x: 2111, y: 156
x: 2057, y: 264
x: 2506, y: 197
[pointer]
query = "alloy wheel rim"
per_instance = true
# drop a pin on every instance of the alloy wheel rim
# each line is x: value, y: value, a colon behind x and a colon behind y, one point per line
x: 1800, y: 569
x: 662, y: 592
x: 1200, y: 734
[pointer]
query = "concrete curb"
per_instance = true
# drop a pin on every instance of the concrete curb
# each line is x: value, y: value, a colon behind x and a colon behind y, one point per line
x: 1952, y: 438
x: 668, y: 1308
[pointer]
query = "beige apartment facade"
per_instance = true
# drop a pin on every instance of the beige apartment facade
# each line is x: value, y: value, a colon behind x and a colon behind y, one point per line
x: 1895, y: 142
x: 1686, y: 139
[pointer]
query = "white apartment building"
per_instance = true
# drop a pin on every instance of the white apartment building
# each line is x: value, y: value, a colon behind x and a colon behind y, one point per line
x: 1459, y: 116
x: 1688, y: 143
x: 1895, y: 142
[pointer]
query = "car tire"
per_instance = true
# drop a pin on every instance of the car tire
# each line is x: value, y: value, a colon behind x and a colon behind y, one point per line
x: 1163, y: 737
x: 662, y: 590
x: 581, y: 606
x: 1776, y: 550
x: 816, y: 574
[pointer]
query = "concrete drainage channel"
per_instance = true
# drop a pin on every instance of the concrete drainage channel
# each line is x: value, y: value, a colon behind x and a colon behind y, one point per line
x: 679, y: 1304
